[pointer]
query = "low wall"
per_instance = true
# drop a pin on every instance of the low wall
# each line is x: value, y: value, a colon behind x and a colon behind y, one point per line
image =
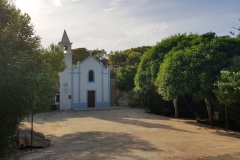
x: 118, y: 98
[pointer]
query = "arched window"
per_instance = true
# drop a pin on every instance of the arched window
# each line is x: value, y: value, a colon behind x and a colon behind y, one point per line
x: 65, y: 48
x: 91, y: 76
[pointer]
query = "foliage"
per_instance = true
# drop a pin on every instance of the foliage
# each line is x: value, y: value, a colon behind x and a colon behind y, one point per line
x: 227, y: 92
x: 125, y: 78
x: 79, y: 54
x: 236, y: 29
x: 150, y: 65
x: 228, y: 88
x: 174, y: 76
x: 27, y: 73
x: 193, y: 68
x: 150, y: 62
x: 99, y: 54
x: 129, y: 57
x: 234, y: 64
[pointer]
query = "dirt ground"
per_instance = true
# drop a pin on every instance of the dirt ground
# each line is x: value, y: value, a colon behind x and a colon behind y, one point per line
x: 129, y: 134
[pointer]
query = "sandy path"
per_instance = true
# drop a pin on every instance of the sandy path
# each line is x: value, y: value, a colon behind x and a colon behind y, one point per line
x: 126, y: 134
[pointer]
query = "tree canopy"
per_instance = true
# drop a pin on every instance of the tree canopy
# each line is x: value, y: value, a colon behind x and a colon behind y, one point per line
x: 129, y: 57
x: 28, y: 73
x: 149, y: 65
x: 125, y: 78
x: 186, y: 64
x: 79, y: 54
x: 228, y: 84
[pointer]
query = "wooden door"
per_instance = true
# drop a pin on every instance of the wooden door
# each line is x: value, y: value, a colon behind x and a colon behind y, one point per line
x: 91, y: 98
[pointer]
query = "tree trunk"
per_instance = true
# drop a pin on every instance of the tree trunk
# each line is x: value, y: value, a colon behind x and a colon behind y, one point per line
x: 188, y: 105
x: 175, y: 106
x: 209, y: 110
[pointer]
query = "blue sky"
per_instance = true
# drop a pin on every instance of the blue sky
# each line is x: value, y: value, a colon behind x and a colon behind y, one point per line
x: 121, y: 24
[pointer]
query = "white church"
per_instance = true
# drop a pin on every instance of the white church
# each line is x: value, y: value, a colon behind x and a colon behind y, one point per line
x: 86, y: 85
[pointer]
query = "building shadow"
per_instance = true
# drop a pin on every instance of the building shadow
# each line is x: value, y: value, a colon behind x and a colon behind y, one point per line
x: 94, y: 146
x: 130, y: 116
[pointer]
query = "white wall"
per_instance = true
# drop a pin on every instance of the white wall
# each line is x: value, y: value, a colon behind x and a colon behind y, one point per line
x: 65, y: 84
x: 100, y: 84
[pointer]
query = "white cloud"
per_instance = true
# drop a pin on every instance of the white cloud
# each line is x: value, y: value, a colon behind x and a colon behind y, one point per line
x: 117, y: 2
x: 145, y: 34
x: 57, y: 3
x: 118, y: 24
x: 113, y: 5
x: 30, y: 7
x: 148, y: 29
x: 109, y: 9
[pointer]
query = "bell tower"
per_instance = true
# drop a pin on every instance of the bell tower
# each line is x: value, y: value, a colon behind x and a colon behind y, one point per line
x: 66, y: 46
x: 65, y: 77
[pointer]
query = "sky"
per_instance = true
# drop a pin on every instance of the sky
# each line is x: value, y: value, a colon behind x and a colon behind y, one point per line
x: 123, y: 24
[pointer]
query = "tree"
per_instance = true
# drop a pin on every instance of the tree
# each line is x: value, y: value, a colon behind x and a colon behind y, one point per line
x: 117, y: 58
x: 193, y: 70
x: 100, y: 55
x: 149, y: 66
x: 234, y: 33
x: 27, y: 73
x: 133, y: 58
x: 218, y: 56
x: 125, y: 78
x: 79, y: 54
x: 129, y: 57
x: 228, y: 88
x: 175, y: 77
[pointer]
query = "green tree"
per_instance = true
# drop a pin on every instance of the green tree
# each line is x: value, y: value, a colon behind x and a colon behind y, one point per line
x: 79, y: 54
x: 150, y: 64
x: 175, y: 77
x: 129, y: 57
x: 193, y: 69
x: 100, y: 55
x: 117, y: 58
x: 39, y: 74
x: 133, y: 58
x: 125, y: 78
x: 228, y: 89
x: 27, y: 73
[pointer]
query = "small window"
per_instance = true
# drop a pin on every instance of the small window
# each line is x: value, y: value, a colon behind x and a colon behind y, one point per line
x: 57, y: 98
x: 65, y: 84
x: 91, y: 76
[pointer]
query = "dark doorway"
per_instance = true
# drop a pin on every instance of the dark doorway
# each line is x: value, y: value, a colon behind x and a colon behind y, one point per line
x: 91, y: 99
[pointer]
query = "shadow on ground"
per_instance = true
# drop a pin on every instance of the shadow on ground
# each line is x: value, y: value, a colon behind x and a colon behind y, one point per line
x: 135, y: 117
x: 95, y: 145
x: 218, y: 130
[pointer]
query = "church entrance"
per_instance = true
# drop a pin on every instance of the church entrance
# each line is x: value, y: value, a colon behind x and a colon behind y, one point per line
x: 91, y: 99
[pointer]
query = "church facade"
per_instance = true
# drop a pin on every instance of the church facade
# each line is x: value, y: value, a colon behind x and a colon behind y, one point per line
x: 86, y: 85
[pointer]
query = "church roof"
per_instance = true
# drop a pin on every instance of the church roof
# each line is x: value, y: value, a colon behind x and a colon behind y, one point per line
x: 65, y: 38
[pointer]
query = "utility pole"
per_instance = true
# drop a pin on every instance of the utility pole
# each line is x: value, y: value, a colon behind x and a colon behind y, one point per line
x: 32, y: 133
x: 226, y: 118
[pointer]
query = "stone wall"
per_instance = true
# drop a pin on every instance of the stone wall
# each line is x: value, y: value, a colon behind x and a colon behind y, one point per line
x: 118, y: 98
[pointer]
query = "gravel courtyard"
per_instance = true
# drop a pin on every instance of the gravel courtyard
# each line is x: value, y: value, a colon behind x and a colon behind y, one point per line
x: 128, y: 134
